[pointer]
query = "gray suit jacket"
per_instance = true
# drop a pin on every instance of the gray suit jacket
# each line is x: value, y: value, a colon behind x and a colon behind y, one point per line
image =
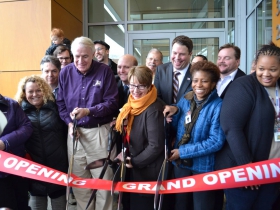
x: 163, y: 82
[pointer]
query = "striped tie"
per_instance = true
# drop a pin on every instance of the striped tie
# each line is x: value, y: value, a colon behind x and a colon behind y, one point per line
x: 175, y: 85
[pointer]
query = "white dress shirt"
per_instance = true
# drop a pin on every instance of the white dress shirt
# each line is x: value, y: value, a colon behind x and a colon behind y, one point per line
x: 223, y: 82
x: 182, y: 75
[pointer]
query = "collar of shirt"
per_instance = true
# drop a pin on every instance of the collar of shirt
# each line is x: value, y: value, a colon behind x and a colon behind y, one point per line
x: 182, y: 75
x: 223, y: 82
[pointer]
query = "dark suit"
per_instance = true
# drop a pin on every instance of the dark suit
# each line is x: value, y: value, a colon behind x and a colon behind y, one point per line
x: 113, y: 66
x: 219, y: 194
x: 164, y: 83
x: 239, y: 73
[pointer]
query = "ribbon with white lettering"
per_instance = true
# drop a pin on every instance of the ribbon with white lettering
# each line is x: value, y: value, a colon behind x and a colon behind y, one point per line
x: 258, y: 173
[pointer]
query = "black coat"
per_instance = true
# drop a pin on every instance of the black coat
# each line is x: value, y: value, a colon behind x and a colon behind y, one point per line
x: 48, y: 143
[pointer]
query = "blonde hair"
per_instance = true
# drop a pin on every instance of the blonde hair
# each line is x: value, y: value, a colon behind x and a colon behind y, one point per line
x: 43, y: 85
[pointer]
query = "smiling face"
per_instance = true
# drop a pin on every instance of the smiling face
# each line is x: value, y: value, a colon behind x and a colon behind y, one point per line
x: 134, y: 91
x: 202, y: 84
x: 64, y: 58
x: 124, y: 65
x: 153, y: 60
x: 227, y: 62
x: 34, y: 94
x: 268, y: 70
x: 83, y: 56
x: 101, y: 54
x: 180, y: 57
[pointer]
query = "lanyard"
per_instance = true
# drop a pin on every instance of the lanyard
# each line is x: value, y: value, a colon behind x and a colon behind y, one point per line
x: 276, y: 104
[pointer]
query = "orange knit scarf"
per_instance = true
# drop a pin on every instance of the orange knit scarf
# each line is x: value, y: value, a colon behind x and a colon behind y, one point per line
x: 135, y: 107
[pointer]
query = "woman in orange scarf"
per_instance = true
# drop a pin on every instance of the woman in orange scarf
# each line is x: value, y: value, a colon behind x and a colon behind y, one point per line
x: 144, y: 133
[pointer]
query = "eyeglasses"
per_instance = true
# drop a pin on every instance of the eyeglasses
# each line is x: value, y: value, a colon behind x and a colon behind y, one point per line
x: 64, y: 58
x: 139, y: 87
x: 99, y: 49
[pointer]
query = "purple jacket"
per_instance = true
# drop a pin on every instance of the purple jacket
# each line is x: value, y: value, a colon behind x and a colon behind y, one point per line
x: 97, y: 90
x: 18, y: 129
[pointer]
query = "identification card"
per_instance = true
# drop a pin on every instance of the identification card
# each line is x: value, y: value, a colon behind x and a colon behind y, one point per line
x: 188, y: 118
x: 277, y: 130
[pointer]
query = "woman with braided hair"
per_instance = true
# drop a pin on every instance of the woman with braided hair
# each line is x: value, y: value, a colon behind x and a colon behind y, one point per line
x: 250, y: 118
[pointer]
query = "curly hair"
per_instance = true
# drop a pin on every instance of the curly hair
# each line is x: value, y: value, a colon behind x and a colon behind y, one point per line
x: 43, y: 85
x: 208, y: 67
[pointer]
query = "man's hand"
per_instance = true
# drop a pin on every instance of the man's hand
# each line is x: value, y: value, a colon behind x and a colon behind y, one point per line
x: 79, y: 112
x: 168, y: 112
x: 2, y: 145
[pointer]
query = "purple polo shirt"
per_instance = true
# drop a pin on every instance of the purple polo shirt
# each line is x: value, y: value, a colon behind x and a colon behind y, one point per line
x: 96, y: 90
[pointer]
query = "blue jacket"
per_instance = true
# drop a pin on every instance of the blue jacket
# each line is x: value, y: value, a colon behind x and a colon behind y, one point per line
x: 207, y: 136
x: 17, y: 130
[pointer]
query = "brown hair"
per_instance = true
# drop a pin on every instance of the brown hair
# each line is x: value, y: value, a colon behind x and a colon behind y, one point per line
x: 184, y: 40
x: 44, y: 86
x: 143, y: 74
x: 60, y: 49
x: 208, y: 67
x: 237, y: 52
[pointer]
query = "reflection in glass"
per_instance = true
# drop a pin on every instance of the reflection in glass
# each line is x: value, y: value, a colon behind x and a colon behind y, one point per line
x: 172, y: 26
x: 231, y: 30
x: 251, y: 37
x: 163, y: 10
x: 231, y: 8
x: 105, y: 11
x: 141, y: 47
x: 112, y: 35
x: 206, y: 46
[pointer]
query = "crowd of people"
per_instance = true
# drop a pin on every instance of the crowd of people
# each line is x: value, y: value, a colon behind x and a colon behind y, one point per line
x: 204, y: 116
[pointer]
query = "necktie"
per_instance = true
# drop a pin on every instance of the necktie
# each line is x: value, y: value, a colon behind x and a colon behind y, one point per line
x: 175, y: 85
x: 125, y: 92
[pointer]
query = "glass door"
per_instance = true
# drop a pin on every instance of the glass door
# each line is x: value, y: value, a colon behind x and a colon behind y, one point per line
x: 206, y: 43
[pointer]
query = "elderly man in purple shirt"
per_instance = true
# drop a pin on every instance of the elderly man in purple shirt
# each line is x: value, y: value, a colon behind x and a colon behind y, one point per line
x: 88, y: 90
x: 14, y: 189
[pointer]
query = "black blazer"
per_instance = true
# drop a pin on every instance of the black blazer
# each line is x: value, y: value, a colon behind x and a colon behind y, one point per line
x: 239, y: 73
x: 113, y: 66
x: 163, y: 82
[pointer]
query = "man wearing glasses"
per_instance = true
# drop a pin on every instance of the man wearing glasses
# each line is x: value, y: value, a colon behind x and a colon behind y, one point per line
x: 64, y: 55
x: 102, y: 55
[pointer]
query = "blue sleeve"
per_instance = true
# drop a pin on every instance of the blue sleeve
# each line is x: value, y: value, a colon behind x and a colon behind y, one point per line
x: 209, y: 136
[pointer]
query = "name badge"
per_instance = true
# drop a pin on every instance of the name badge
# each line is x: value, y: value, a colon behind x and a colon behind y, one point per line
x: 188, y: 118
x: 277, y: 130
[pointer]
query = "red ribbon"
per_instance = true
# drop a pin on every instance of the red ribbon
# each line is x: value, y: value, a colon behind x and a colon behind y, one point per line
x: 258, y: 173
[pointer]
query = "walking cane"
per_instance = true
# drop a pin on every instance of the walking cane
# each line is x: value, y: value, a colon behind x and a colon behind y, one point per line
x: 120, y: 173
x: 162, y: 174
x: 75, y: 142
x: 102, y: 162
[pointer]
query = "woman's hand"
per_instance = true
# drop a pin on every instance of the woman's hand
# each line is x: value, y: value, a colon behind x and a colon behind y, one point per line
x: 168, y: 112
x: 174, y: 155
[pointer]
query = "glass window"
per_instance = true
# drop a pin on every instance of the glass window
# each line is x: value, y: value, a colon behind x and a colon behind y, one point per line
x: 251, y: 40
x: 231, y: 8
x: 264, y: 17
x: 250, y: 5
x: 164, y: 10
x: 208, y: 47
x: 231, y: 30
x: 113, y: 35
x: 105, y: 11
x: 141, y: 47
x: 172, y: 26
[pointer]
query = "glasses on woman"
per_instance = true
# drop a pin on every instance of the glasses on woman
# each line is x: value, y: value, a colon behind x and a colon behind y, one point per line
x: 139, y: 87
